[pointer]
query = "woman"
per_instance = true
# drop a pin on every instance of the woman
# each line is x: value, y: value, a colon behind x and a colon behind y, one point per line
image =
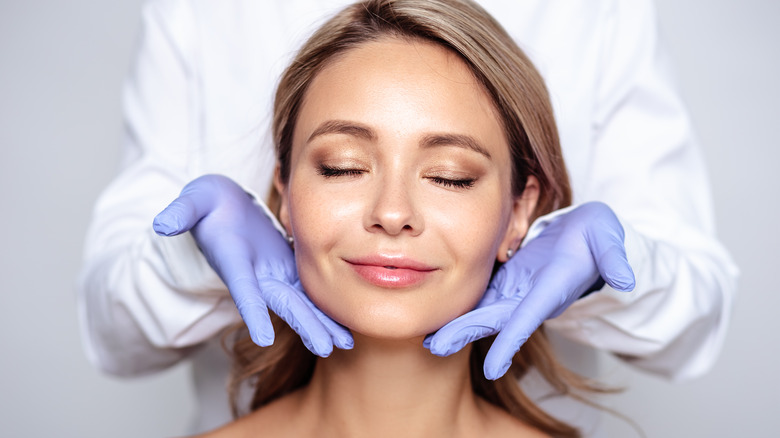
x: 415, y: 144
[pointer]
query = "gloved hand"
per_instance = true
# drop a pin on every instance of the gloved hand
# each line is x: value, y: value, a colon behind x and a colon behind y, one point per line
x: 252, y: 258
x: 571, y: 255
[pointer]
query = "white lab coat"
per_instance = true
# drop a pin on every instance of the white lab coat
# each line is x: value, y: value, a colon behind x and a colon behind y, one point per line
x: 198, y: 100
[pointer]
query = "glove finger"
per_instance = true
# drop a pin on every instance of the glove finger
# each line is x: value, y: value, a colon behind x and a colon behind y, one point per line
x: 341, y: 336
x: 614, y: 268
x: 470, y: 327
x: 245, y: 291
x: 607, y: 244
x: 181, y: 215
x: 543, y: 301
x: 288, y: 303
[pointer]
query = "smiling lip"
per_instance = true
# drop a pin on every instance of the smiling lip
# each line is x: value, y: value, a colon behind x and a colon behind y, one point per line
x: 390, y: 271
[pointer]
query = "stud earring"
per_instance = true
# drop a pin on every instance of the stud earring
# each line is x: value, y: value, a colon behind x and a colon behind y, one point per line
x: 509, y: 253
x: 290, y: 239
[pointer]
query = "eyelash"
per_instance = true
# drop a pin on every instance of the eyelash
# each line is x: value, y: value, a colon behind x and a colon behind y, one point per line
x: 330, y: 172
x: 454, y: 183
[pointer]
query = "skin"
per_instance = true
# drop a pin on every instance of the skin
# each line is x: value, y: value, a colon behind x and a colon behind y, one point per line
x: 372, y: 188
x: 395, y: 193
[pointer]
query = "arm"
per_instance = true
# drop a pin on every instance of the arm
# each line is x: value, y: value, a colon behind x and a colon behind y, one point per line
x: 646, y: 166
x: 146, y: 300
x: 142, y: 305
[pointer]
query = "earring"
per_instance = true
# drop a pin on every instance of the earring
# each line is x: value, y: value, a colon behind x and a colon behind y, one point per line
x: 290, y: 239
x: 509, y: 253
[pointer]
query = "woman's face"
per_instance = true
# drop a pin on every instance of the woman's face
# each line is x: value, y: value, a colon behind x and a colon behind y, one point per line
x: 399, y: 195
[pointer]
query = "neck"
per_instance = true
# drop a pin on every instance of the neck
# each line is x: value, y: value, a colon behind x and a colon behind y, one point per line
x: 391, y: 388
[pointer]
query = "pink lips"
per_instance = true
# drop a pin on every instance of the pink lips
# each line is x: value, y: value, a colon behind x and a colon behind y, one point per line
x: 390, y: 271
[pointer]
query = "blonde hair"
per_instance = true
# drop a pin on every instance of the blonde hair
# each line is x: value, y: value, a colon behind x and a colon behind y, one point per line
x: 522, y: 103
x: 515, y: 87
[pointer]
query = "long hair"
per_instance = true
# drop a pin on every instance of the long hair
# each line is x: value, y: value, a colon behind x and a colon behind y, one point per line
x: 522, y: 103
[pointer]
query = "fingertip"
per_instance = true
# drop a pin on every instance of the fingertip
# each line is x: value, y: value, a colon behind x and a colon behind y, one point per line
x: 318, y: 342
x: 622, y: 278
x: 433, y: 344
x: 465, y: 329
x: 622, y: 284
x: 344, y: 342
x: 165, y: 224
x: 340, y: 335
x: 493, y: 372
x: 257, y: 321
x: 322, y: 348
x: 617, y: 271
x: 507, y: 344
x: 262, y: 338
x: 445, y: 347
x: 437, y: 349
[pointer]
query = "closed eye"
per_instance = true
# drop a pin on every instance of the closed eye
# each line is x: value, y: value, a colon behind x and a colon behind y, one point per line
x: 330, y: 171
x: 464, y: 183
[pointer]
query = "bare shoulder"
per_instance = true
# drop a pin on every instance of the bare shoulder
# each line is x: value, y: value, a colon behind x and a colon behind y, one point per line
x: 272, y: 420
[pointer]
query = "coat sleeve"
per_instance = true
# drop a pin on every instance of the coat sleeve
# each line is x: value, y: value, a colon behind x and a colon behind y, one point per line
x: 145, y: 301
x: 646, y: 165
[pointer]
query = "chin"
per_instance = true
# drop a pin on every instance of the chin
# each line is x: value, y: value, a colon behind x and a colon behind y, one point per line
x: 389, y: 332
x: 393, y: 324
x: 391, y: 314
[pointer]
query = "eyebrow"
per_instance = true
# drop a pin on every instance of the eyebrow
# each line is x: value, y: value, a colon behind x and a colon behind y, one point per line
x: 459, y: 140
x: 429, y: 141
x: 343, y: 127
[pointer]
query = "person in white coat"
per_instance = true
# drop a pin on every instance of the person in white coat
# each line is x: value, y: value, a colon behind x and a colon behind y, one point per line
x: 197, y: 102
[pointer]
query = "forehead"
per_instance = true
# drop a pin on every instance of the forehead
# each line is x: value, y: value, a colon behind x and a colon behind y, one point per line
x: 405, y: 54
x: 411, y: 85
x: 402, y: 61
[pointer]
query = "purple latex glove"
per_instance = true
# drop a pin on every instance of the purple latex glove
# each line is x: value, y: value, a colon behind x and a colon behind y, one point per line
x: 571, y: 255
x: 252, y: 258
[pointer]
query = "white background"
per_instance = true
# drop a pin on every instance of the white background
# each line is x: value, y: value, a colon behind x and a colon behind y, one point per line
x: 61, y: 67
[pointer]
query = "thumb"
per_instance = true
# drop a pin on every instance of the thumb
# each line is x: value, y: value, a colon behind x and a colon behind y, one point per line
x: 182, y: 214
x: 607, y: 245
x: 613, y: 266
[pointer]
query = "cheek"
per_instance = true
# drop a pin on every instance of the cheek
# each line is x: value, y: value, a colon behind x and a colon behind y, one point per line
x: 319, y: 211
x: 304, y: 205
x: 474, y: 228
x: 322, y: 219
x: 313, y: 220
x: 472, y: 233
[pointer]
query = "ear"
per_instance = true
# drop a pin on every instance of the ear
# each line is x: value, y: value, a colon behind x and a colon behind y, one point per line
x: 281, y: 193
x: 522, y: 210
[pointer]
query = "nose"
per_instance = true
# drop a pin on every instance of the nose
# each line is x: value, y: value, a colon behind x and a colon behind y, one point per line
x: 394, y: 209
